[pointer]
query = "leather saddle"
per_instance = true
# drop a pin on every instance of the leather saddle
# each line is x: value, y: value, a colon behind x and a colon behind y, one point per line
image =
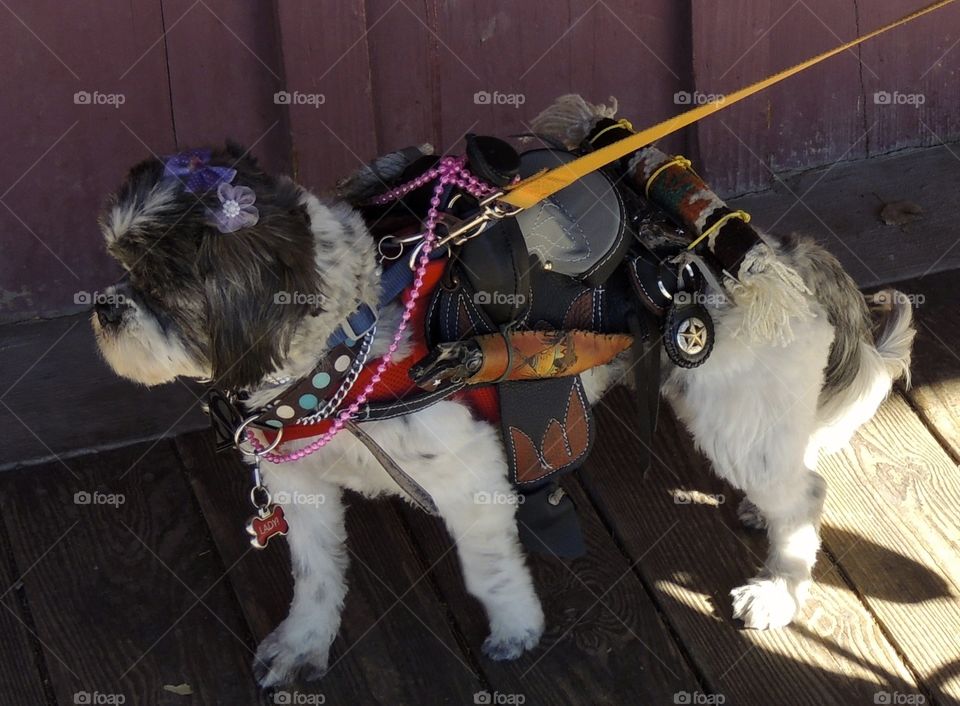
x: 553, y: 267
x: 582, y: 230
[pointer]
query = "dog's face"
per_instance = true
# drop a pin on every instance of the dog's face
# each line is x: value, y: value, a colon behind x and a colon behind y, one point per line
x: 195, y: 301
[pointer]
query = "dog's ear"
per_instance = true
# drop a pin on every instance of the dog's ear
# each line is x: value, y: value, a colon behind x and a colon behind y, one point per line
x: 259, y: 283
x: 141, y: 204
x: 241, y: 158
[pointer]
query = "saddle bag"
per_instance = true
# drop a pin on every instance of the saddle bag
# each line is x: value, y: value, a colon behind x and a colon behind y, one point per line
x: 549, y: 269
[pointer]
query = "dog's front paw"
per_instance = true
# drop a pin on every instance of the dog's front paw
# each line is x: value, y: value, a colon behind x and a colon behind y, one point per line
x: 287, y: 653
x: 502, y: 648
x: 764, y: 603
x: 509, y: 642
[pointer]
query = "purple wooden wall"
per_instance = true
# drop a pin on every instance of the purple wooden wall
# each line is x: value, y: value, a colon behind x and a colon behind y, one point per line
x: 387, y: 73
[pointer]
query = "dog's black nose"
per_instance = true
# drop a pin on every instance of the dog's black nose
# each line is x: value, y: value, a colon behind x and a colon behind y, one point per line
x: 109, y: 312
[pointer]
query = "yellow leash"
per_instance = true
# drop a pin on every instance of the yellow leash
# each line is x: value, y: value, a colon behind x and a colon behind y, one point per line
x: 534, y: 189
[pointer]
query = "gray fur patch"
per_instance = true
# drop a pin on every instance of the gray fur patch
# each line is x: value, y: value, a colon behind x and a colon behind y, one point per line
x: 846, y: 309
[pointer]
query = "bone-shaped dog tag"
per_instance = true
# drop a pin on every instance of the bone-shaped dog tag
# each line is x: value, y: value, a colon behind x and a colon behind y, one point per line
x: 267, y: 524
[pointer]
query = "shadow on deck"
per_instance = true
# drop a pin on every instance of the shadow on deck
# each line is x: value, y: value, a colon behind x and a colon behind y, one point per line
x: 126, y: 573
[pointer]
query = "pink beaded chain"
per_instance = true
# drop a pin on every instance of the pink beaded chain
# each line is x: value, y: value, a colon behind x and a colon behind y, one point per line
x: 450, y: 170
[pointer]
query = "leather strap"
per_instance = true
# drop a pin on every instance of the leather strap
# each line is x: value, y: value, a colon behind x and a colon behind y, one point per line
x: 416, y: 491
x: 533, y: 190
x: 646, y: 369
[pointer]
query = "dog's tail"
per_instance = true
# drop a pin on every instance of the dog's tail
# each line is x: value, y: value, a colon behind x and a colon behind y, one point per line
x: 875, y: 366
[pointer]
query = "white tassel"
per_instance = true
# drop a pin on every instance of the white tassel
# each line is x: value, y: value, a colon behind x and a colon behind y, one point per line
x: 570, y: 119
x: 771, y: 294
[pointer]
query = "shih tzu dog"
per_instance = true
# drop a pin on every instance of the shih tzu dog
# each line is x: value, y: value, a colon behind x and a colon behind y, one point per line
x: 204, y: 268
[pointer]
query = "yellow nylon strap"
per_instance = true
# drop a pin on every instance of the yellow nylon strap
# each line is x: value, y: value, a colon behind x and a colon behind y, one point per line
x: 531, y: 191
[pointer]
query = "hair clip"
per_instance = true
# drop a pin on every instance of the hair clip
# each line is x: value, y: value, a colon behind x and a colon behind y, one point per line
x: 236, y: 208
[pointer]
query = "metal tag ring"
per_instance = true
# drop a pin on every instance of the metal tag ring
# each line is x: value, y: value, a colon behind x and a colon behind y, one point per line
x: 238, y: 442
x: 267, y: 498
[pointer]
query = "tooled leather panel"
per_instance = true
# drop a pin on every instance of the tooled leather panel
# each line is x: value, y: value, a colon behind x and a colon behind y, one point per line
x: 579, y: 315
x: 563, y: 444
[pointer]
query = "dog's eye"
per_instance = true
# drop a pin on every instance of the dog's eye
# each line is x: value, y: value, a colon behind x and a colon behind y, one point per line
x: 152, y: 293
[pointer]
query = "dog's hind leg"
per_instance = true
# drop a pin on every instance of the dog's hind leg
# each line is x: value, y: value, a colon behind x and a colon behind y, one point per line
x: 755, y: 434
x: 791, y: 509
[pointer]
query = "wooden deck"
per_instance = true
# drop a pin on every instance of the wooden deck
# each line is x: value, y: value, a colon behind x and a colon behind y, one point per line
x: 160, y: 599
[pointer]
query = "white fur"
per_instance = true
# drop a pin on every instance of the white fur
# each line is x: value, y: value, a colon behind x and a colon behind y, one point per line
x: 571, y: 118
x: 145, y: 353
x: 128, y: 216
x: 461, y: 463
x: 752, y: 408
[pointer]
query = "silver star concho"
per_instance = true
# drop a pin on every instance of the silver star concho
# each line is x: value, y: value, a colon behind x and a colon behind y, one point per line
x: 692, y: 336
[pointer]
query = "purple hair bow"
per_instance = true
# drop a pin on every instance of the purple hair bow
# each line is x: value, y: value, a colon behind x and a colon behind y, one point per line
x: 194, y: 170
x: 236, y: 208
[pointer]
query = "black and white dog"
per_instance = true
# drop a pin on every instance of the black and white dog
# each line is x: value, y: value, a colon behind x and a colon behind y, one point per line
x: 200, y: 301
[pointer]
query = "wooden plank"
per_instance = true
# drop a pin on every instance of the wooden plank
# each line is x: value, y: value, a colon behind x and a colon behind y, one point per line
x: 405, y: 63
x: 935, y: 392
x: 475, y: 39
x: 324, y: 48
x: 636, y: 52
x: 841, y: 208
x: 891, y: 518
x: 641, y: 53
x: 813, y: 119
x: 834, y: 653
x: 224, y: 53
x: 58, y: 397
x: 23, y: 668
x: 409, y: 654
x: 77, y: 151
x: 920, y: 59
x: 261, y: 580
x: 604, y: 636
x: 114, y: 583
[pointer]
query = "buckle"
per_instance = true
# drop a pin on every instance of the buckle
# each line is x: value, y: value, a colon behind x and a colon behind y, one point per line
x: 353, y: 334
